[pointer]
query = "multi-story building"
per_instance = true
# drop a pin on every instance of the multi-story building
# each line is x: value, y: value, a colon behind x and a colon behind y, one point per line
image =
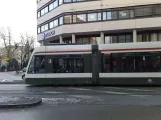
x: 98, y: 21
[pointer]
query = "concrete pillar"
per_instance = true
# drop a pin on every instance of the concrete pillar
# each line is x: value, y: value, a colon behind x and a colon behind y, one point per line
x: 134, y: 36
x: 61, y: 39
x: 102, y: 40
x: 73, y: 38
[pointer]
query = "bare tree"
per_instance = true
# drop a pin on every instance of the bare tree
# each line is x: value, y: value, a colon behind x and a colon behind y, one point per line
x: 10, y: 45
x: 26, y: 46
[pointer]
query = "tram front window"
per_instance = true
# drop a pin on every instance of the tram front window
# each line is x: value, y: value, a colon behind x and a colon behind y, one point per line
x: 39, y: 64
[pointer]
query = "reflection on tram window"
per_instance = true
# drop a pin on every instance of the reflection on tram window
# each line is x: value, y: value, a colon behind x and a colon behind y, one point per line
x: 39, y: 64
x: 31, y: 67
x: 68, y: 64
x: 132, y: 62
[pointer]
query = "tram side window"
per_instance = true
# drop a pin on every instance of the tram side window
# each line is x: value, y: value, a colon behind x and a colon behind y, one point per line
x: 31, y: 66
x: 133, y: 62
x: 68, y: 64
x: 39, y: 64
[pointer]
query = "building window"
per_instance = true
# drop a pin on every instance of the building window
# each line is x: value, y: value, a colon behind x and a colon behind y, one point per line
x: 104, y: 15
x: 79, y: 18
x: 51, y: 25
x: 42, y: 12
x: 55, y: 3
x: 158, y: 10
x: 38, y: 30
x: 56, y: 23
x: 143, y: 11
x: 42, y: 28
x: 124, y: 14
x: 46, y: 10
x: 109, y: 15
x: 131, y: 13
x: 114, y: 15
x: 67, y: 1
x: 38, y: 1
x: 92, y: 17
x: 121, y: 39
x: 38, y: 14
x: 60, y: 20
x: 60, y: 2
x: 51, y: 6
x: 46, y: 27
x: 68, y: 19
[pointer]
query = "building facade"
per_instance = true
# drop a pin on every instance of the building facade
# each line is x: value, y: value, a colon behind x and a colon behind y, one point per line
x: 98, y: 21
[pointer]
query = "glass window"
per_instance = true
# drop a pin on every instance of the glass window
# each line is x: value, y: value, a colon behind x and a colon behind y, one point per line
x: 109, y: 15
x: 60, y: 2
x: 123, y: 14
x: 56, y: 23
x: 81, y: 18
x: 68, y: 64
x: 38, y: 14
x: 159, y: 36
x: 60, y: 20
x: 99, y: 16
x: 93, y: 40
x: 46, y: 27
x: 67, y: 1
x: 51, y: 6
x: 121, y: 39
x: 158, y: 10
x: 107, y: 39
x: 114, y: 15
x: 79, y: 40
x: 129, y: 38
x: 92, y: 17
x: 42, y: 28
x: 144, y: 11
x: 39, y: 64
x: 139, y: 38
x: 74, y: 18
x: 51, y: 24
x: 42, y: 12
x: 31, y: 66
x: 86, y: 40
x: 38, y: 30
x: 104, y: 15
x: 55, y: 3
x: 131, y: 13
x: 68, y: 19
x: 114, y: 39
x: 46, y: 10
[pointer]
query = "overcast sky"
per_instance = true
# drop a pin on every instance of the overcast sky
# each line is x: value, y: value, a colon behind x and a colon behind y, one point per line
x: 19, y: 15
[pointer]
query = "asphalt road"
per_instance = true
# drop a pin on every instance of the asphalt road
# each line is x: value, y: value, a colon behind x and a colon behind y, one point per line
x: 85, y: 103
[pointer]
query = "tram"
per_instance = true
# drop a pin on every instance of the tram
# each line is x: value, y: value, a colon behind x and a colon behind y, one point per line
x: 104, y: 64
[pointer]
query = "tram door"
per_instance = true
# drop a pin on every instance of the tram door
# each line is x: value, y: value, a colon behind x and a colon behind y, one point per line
x: 49, y: 64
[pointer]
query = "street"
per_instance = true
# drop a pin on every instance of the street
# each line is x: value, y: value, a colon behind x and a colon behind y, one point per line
x: 85, y: 103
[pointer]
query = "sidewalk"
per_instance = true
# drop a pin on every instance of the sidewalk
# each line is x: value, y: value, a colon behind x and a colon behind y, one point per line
x: 10, y: 102
x: 10, y: 78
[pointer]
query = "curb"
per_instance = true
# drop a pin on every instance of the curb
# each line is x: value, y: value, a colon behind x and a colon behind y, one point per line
x: 15, y: 82
x: 22, y: 105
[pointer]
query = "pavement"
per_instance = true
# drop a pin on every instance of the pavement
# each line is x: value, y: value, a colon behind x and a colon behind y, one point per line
x: 11, y: 78
x: 84, y: 103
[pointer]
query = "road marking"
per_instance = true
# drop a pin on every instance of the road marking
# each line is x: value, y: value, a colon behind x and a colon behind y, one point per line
x: 83, y: 96
x: 52, y: 92
x: 140, y: 95
x: 112, y: 92
x: 134, y: 89
x: 83, y: 89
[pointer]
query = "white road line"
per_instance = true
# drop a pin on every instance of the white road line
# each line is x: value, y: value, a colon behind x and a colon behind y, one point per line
x: 134, y: 89
x: 52, y: 92
x: 112, y: 92
x: 83, y: 89
x: 83, y: 96
x: 140, y: 95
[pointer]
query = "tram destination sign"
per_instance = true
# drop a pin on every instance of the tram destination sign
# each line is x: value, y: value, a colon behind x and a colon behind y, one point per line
x: 48, y: 34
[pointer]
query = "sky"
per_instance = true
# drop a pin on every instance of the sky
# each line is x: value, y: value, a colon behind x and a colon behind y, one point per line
x: 19, y: 15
